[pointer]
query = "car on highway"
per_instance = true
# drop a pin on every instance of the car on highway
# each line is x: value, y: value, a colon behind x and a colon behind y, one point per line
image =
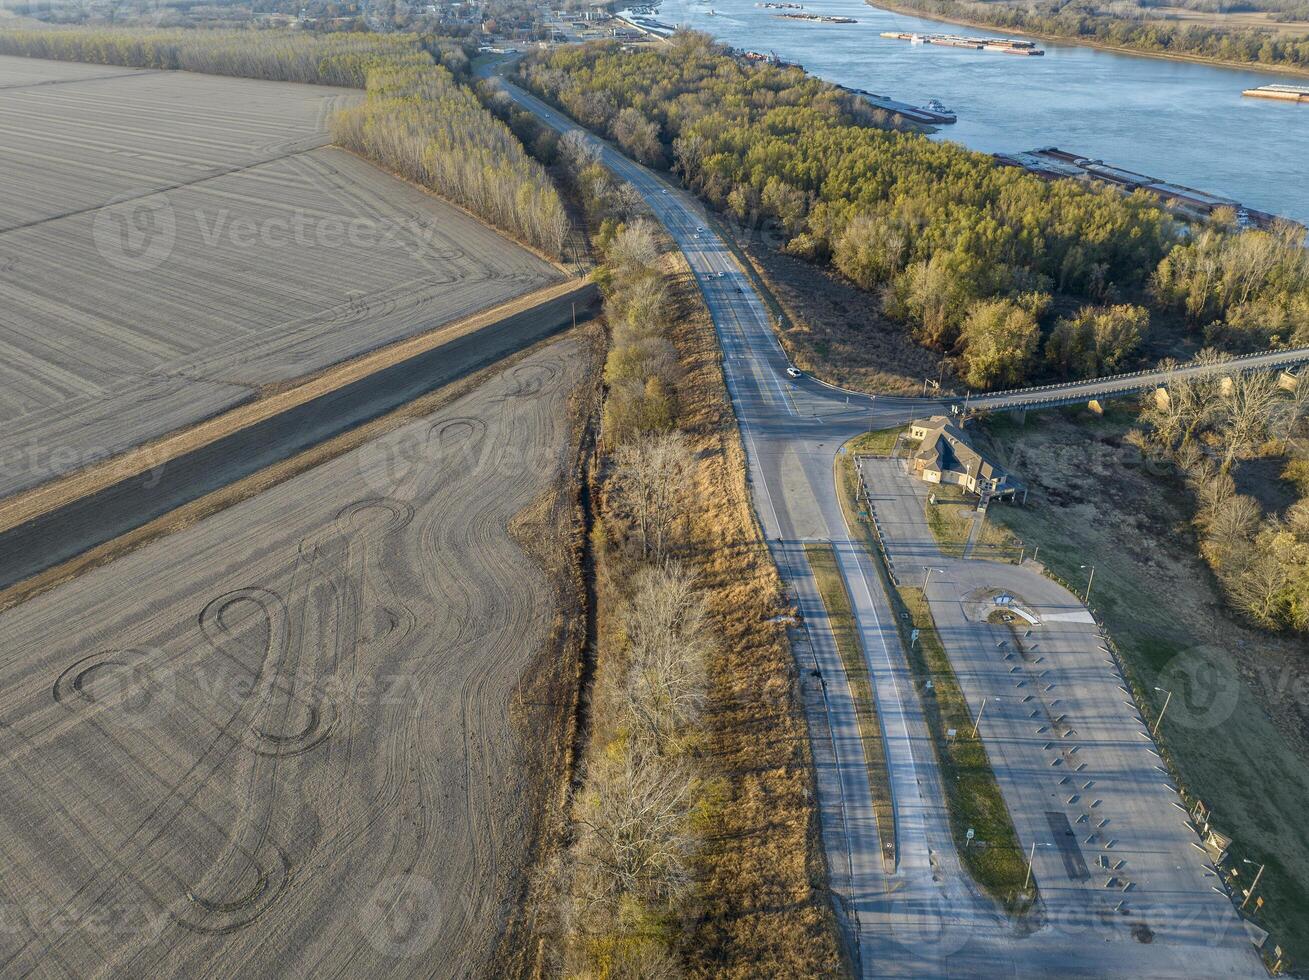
x: 794, y: 372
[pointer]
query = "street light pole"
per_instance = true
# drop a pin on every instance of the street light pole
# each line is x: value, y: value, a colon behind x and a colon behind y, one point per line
x: 1031, y: 856
x: 979, y: 719
x: 1254, y: 884
x: 1089, y: 582
x: 1160, y: 720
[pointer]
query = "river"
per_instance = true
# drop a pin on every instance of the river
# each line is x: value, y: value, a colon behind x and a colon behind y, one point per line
x: 1178, y: 121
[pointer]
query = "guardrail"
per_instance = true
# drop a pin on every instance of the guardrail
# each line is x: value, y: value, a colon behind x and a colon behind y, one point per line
x: 1107, y: 385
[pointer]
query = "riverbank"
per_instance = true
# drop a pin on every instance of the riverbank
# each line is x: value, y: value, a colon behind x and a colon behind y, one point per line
x: 909, y: 11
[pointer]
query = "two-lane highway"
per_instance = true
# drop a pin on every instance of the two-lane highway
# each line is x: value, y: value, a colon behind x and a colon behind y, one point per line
x: 924, y: 917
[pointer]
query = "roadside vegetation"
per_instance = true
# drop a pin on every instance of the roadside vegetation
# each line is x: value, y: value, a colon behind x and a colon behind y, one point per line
x: 695, y: 846
x: 841, y: 621
x: 1141, y: 25
x: 995, y: 859
x: 1007, y: 276
x: 417, y: 120
x: 1100, y: 496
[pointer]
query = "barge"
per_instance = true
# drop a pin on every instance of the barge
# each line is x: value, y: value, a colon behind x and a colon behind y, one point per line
x: 768, y: 58
x: 1000, y: 44
x: 1053, y: 163
x: 934, y: 113
x: 818, y: 18
x: 1285, y: 93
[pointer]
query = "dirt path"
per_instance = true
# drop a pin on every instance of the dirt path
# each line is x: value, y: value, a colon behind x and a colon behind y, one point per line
x: 280, y: 742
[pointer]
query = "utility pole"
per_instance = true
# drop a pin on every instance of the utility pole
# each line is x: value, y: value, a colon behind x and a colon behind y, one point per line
x: 1089, y: 582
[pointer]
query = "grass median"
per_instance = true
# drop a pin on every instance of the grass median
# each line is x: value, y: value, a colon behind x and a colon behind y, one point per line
x: 840, y: 618
x: 995, y: 858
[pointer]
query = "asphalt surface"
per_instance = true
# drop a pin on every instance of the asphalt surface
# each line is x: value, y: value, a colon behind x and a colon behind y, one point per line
x: 926, y: 918
x: 1073, y: 758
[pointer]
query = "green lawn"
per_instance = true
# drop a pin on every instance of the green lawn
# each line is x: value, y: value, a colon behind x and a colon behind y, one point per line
x: 879, y: 442
x: 951, y: 521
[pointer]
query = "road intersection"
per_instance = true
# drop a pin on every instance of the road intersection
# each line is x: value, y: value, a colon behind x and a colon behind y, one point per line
x: 926, y: 917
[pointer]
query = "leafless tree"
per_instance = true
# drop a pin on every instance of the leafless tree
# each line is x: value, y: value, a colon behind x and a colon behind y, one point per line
x: 1231, y: 525
x: 650, y: 475
x: 636, y: 836
x: 1257, y: 588
x: 634, y: 251
x: 1247, y: 408
x: 670, y: 648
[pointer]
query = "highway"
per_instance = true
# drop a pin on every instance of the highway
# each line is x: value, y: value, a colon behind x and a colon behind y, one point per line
x: 925, y: 917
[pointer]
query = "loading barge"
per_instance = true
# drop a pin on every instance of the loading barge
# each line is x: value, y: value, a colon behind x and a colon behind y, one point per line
x: 1285, y: 93
x: 768, y: 58
x: 1053, y: 163
x: 818, y: 18
x: 933, y: 113
x: 1000, y: 44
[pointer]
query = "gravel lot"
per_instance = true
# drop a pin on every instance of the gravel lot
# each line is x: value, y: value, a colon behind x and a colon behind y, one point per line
x: 293, y: 739
x: 174, y: 244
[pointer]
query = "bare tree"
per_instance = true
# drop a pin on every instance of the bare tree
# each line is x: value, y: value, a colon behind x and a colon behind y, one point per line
x: 670, y: 648
x: 1232, y: 524
x: 1247, y: 409
x: 636, y: 835
x: 634, y: 251
x: 1257, y: 589
x: 651, y: 474
x: 1193, y: 398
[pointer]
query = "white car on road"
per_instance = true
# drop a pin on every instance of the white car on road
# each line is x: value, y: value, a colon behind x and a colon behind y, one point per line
x: 794, y: 372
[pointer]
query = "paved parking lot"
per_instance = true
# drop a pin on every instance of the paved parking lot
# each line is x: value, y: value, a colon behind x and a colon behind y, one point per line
x: 1115, y: 857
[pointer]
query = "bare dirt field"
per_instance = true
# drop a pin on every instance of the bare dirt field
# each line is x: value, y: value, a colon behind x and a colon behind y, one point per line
x: 173, y: 244
x: 304, y: 736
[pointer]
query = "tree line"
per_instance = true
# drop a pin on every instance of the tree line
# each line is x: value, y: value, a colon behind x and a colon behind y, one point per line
x: 1085, y: 20
x: 417, y: 119
x: 1012, y: 275
x: 639, y: 813
x: 280, y: 56
x: 418, y: 122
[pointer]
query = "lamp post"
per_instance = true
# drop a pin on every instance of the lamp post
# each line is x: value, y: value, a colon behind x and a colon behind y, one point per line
x: 1031, y: 855
x: 1160, y: 720
x: 1089, y: 581
x: 1254, y: 884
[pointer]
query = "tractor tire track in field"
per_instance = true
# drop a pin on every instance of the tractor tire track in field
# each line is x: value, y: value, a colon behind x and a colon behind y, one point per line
x: 278, y: 742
